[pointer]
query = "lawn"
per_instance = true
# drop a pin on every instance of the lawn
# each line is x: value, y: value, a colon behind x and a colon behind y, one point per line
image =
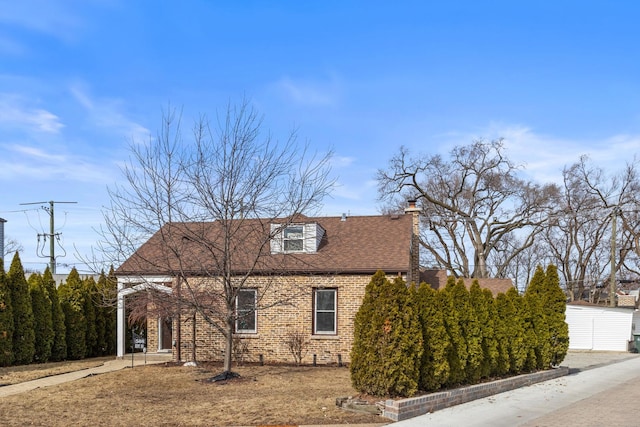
x: 168, y: 394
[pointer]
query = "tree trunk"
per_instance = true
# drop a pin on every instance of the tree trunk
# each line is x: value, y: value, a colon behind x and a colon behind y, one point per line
x: 193, y: 338
x: 228, y: 349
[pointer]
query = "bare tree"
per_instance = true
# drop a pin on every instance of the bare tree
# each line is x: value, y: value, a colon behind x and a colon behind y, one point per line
x: 210, y: 204
x: 473, y: 204
x: 579, y: 237
x: 519, y: 268
x: 11, y: 246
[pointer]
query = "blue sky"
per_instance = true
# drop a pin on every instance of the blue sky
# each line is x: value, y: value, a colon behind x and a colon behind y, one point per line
x: 81, y: 79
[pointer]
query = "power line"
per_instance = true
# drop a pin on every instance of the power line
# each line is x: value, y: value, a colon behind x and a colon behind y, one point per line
x: 52, y: 234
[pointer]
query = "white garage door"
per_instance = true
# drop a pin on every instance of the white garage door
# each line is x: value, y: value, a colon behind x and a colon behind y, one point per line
x: 598, y: 328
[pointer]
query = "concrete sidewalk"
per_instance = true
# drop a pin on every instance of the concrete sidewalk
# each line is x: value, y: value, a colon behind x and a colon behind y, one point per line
x: 576, y: 399
x: 108, y: 366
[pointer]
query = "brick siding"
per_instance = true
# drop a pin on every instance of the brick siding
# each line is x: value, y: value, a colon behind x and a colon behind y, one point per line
x: 278, y: 320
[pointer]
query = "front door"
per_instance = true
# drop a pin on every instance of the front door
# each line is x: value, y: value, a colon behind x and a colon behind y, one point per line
x: 165, y: 333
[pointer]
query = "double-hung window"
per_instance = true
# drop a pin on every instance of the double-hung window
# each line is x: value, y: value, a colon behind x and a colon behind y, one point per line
x: 324, y: 311
x: 246, y: 314
x: 293, y: 238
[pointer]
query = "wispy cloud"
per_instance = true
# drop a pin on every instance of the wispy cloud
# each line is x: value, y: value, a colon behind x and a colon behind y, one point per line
x: 107, y: 114
x: 544, y: 156
x: 57, y: 19
x: 27, y: 163
x: 342, y: 161
x: 15, y: 112
x: 310, y: 92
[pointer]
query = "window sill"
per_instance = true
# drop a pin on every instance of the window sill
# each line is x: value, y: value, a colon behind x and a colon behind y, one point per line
x: 325, y: 337
x: 247, y: 335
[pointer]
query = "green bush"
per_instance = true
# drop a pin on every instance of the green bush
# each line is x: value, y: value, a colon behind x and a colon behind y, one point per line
x: 6, y: 320
x: 59, y: 345
x: 387, y: 348
x: 41, y: 307
x: 555, y: 306
x: 72, y: 301
x: 434, y: 367
x: 23, y: 333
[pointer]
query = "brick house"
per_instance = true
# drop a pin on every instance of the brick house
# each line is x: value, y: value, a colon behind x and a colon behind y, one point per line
x: 309, y: 280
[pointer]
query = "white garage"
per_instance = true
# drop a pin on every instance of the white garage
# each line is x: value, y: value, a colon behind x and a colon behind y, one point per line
x: 594, y: 327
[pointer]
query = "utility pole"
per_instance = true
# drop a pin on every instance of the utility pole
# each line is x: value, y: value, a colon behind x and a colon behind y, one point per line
x: 52, y: 233
x: 612, y: 280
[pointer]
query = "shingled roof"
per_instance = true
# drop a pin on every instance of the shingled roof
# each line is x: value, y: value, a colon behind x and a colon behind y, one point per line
x: 351, y: 245
x: 437, y: 279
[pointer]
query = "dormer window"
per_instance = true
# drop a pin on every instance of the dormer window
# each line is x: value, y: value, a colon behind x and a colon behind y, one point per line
x: 293, y: 238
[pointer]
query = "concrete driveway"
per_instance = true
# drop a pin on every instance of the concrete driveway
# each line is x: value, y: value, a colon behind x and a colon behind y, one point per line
x: 603, y: 389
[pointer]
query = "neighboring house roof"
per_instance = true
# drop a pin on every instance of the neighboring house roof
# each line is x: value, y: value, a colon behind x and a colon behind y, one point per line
x: 357, y: 244
x: 437, y: 279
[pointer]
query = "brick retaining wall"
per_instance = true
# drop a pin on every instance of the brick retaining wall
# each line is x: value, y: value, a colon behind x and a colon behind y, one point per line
x: 402, y: 409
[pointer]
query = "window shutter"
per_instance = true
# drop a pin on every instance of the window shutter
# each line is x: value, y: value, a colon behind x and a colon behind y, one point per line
x: 276, y: 238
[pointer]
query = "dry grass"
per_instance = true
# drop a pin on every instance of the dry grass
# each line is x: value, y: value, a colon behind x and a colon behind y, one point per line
x: 180, y: 396
x: 18, y: 374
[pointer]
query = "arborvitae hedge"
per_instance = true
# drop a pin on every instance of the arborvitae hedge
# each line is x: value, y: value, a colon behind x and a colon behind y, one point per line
x: 89, y: 292
x: 59, y: 345
x: 457, y: 355
x: 387, y: 349
x: 535, y: 299
x: 24, y: 333
x: 555, y: 306
x: 6, y: 320
x: 463, y: 335
x: 41, y: 307
x: 72, y: 302
x: 434, y: 368
x: 48, y: 316
x: 522, y: 350
x: 486, y: 322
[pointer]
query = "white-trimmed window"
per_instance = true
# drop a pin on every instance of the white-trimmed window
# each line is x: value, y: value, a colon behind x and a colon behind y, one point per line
x: 246, y: 314
x: 325, y: 311
x: 293, y: 238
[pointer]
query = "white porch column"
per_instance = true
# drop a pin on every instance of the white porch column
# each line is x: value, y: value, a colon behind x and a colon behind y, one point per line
x: 120, y: 322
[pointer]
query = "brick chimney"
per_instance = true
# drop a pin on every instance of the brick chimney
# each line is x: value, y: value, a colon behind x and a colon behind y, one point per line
x: 414, y: 262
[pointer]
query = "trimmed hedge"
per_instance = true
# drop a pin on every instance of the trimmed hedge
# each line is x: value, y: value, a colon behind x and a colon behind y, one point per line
x: 407, y: 340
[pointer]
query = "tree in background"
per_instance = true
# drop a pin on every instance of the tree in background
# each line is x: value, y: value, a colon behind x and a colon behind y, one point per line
x: 473, y: 203
x: 72, y: 301
x: 387, y: 348
x: 41, y: 307
x: 434, y: 368
x: 11, y: 246
x: 6, y: 320
x: 59, y: 345
x: 24, y: 332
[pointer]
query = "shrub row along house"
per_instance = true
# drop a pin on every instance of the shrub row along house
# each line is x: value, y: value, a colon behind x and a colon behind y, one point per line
x: 40, y: 322
x: 292, y: 285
